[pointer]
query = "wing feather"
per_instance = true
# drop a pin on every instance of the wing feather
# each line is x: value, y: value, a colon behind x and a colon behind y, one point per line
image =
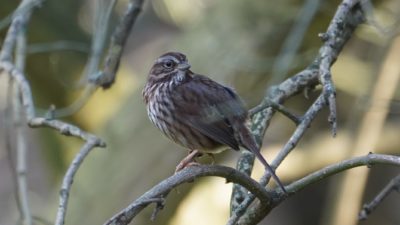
x: 209, y: 108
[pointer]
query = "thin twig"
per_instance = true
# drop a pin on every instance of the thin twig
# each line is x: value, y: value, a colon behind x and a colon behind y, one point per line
x: 116, y: 48
x: 276, y: 106
x: 393, y: 185
x: 329, y: 53
x: 101, y: 19
x: 160, y: 204
x: 68, y: 178
x: 65, y: 129
x: 84, y: 97
x: 305, y: 123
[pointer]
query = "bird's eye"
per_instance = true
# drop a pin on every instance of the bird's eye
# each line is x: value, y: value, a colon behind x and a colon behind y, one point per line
x: 168, y: 64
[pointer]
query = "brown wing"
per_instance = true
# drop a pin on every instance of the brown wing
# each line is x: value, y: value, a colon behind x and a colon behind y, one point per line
x: 209, y: 107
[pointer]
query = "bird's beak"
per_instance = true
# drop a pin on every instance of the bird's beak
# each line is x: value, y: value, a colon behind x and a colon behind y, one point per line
x: 183, y: 66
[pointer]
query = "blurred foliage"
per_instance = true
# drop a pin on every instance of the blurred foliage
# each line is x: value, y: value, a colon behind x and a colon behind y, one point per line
x: 232, y: 41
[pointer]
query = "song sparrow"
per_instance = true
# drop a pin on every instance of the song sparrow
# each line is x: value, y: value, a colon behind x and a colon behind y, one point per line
x: 195, y: 111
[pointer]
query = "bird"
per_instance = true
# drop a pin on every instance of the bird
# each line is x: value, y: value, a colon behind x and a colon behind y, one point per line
x: 197, y: 112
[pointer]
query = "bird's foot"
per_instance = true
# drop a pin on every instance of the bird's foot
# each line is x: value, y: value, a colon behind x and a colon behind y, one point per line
x: 189, y: 160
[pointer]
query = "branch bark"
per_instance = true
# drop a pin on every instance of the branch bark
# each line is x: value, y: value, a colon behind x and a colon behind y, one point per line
x: 161, y: 190
x: 24, y: 99
x: 120, y: 35
x: 68, y: 179
x: 393, y: 185
x: 348, y: 16
x: 105, y: 78
x: 268, y: 198
x: 255, y: 214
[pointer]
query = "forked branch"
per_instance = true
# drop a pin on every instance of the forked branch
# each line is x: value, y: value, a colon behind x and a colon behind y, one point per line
x: 347, y: 17
x: 189, y: 174
x: 268, y: 198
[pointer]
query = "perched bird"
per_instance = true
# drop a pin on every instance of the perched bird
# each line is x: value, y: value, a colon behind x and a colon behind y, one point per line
x: 197, y: 112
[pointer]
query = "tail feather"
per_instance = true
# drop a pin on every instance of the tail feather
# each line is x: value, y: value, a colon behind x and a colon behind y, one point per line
x: 247, y: 140
x: 269, y: 168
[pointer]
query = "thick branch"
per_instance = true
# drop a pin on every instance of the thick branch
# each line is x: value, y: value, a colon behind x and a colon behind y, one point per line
x: 188, y: 175
x: 255, y: 214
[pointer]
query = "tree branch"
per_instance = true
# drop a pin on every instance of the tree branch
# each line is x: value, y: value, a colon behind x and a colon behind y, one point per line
x: 18, y: 118
x: 256, y: 214
x: 393, y: 185
x: 332, y: 47
x: 368, y: 160
x: 289, y: 146
x: 107, y: 77
x: 64, y: 128
x: 268, y: 199
x: 68, y: 178
x: 348, y: 16
x: 24, y: 98
x: 16, y: 39
x: 188, y: 175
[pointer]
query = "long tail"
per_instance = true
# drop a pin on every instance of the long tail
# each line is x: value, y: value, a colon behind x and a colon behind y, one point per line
x: 269, y: 168
x: 248, y: 141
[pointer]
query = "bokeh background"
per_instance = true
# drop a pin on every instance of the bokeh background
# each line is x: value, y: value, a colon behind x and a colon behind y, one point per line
x: 239, y: 43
